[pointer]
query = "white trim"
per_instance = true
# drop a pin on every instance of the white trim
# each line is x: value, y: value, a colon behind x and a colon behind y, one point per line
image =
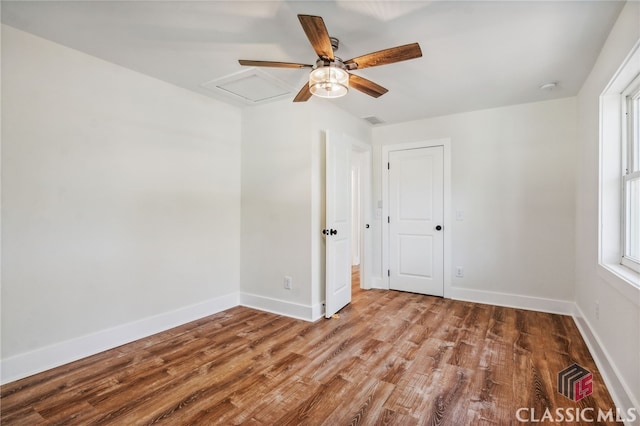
x: 282, y: 307
x: 39, y: 360
x: 448, y: 219
x: 366, y: 252
x: 317, y: 312
x: 613, y: 380
x: 621, y: 278
x: 554, y: 306
x: 610, y: 214
x: 378, y: 283
x: 624, y: 75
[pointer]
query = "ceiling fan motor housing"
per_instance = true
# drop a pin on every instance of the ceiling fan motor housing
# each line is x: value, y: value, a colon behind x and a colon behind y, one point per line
x: 335, y: 43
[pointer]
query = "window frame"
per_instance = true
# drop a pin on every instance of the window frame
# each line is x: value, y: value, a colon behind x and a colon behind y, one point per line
x: 630, y: 124
x: 613, y: 155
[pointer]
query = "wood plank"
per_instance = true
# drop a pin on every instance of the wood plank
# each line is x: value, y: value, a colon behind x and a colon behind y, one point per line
x: 360, y: 403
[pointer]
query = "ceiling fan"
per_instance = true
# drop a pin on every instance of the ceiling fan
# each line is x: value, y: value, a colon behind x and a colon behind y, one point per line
x: 330, y: 76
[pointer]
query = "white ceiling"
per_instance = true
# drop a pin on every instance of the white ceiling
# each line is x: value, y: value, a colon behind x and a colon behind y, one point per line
x: 476, y: 54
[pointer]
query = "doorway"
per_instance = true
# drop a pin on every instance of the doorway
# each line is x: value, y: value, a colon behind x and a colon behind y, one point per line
x: 360, y: 214
x: 338, y: 229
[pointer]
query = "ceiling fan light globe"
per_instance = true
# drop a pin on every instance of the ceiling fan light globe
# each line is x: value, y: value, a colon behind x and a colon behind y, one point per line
x: 329, y: 82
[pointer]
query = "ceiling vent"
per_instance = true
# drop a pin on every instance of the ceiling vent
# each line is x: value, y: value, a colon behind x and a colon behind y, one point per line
x: 373, y: 120
x: 251, y: 87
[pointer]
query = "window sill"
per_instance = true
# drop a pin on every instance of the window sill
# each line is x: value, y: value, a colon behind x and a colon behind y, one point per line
x: 623, y: 279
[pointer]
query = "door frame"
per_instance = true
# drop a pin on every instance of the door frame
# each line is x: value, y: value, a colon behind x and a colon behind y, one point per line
x: 366, y: 243
x: 447, y: 213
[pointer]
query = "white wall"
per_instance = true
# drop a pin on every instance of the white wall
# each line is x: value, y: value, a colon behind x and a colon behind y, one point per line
x: 513, y: 177
x: 283, y: 163
x: 276, y: 207
x: 120, y: 196
x: 617, y: 331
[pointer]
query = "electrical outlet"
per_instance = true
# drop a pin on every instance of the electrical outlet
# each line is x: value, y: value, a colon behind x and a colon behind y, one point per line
x: 459, y: 271
x: 288, y: 282
x: 597, y: 310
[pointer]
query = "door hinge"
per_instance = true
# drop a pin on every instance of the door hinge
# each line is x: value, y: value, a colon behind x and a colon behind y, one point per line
x: 388, y: 272
x: 388, y: 219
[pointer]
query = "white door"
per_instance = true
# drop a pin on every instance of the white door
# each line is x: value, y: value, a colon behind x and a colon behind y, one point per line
x: 338, y: 224
x: 416, y: 228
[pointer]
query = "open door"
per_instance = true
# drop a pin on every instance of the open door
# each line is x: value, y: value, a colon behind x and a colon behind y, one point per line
x: 338, y: 224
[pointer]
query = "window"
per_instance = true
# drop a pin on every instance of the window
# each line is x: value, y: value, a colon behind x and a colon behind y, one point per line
x: 631, y: 177
x: 619, y: 191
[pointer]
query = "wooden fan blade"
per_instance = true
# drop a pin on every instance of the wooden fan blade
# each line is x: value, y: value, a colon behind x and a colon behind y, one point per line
x: 318, y: 35
x: 387, y: 56
x: 304, y: 94
x: 366, y: 86
x: 249, y: 63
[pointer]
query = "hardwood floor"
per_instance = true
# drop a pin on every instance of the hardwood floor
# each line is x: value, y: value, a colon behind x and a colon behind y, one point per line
x: 391, y: 358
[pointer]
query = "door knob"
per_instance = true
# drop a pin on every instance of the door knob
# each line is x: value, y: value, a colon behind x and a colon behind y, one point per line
x: 332, y: 232
x: 438, y: 228
x: 325, y: 232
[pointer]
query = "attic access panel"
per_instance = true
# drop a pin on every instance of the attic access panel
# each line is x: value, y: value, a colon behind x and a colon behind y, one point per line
x: 251, y: 87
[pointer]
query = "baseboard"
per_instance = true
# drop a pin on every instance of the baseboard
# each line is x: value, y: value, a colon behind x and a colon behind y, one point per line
x: 39, y: 360
x: 378, y: 283
x: 554, y: 306
x: 317, y: 311
x: 620, y: 392
x: 281, y: 307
